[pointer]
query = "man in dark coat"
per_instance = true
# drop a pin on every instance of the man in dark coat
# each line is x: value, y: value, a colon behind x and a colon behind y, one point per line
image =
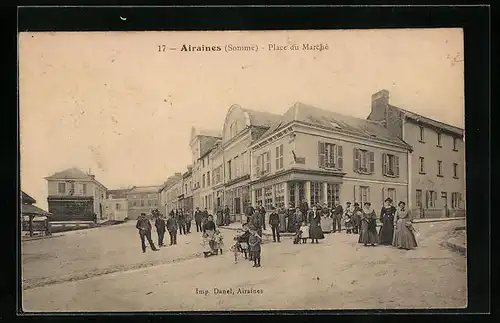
x: 204, y: 218
x: 227, y: 218
x: 338, y: 211
x: 290, y: 218
x: 262, y: 212
x: 274, y: 222
x: 172, y: 229
x: 249, y: 212
x: 189, y: 219
x: 181, y: 222
x: 257, y: 222
x: 144, y: 227
x: 160, y: 229
x: 304, y: 208
x: 197, y: 219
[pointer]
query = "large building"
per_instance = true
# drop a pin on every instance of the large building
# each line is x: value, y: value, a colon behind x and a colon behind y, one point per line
x: 164, y: 190
x: 319, y: 156
x: 75, y: 195
x: 437, y: 159
x: 142, y: 199
x: 116, y: 205
x: 217, y: 161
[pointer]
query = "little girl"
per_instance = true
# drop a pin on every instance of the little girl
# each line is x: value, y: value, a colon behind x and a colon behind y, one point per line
x: 304, y: 232
x: 205, y: 243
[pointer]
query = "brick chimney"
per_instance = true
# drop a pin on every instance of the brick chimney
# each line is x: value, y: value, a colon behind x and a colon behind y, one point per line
x: 380, y: 105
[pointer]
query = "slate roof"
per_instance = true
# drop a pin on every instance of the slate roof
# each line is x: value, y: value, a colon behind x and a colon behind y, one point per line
x: 118, y: 194
x: 26, y: 199
x: 207, y: 145
x: 262, y: 119
x: 70, y: 173
x: 144, y: 189
x: 334, y: 121
x: 208, y: 133
x: 28, y: 209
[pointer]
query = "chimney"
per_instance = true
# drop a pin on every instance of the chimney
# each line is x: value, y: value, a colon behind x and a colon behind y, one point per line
x: 380, y: 102
x: 380, y: 98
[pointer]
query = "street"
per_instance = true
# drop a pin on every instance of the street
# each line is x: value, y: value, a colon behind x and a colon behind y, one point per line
x: 338, y: 273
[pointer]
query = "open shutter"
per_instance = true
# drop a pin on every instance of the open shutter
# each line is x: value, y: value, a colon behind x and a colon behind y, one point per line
x: 340, y: 158
x: 384, y: 164
x: 396, y: 165
x: 321, y: 154
x: 355, y: 153
x: 372, y: 161
x: 383, y: 195
x: 368, y: 194
x: 268, y: 162
x: 427, y: 199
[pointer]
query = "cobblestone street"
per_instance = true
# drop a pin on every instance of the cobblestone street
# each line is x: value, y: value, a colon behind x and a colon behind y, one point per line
x: 338, y: 273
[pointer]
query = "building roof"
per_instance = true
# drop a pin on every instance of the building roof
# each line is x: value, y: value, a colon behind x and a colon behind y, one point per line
x: 73, y: 173
x: 207, y: 146
x: 144, y: 189
x: 26, y: 199
x: 28, y: 209
x: 262, y: 119
x: 431, y: 122
x: 334, y: 121
x: 208, y: 133
x: 119, y: 193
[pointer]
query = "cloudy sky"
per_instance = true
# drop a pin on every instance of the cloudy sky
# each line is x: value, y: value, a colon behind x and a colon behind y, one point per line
x: 113, y: 103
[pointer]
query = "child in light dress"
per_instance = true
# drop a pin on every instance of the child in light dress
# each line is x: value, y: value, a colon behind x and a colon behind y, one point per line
x: 205, y: 243
x: 304, y: 232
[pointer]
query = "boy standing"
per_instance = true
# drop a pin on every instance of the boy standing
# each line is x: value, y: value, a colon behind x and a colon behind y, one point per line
x: 254, y: 242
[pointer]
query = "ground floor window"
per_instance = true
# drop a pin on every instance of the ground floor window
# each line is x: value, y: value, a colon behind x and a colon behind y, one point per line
x: 418, y: 198
x: 364, y: 194
x: 456, y: 200
x: 258, y: 196
x: 245, y: 197
x: 268, y: 197
x: 431, y: 198
x: 279, y: 192
x: 332, y: 194
x: 316, y: 193
x: 291, y: 193
x: 302, y: 194
x: 391, y: 193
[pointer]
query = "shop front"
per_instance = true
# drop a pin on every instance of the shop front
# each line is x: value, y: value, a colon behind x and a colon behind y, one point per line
x: 238, y: 199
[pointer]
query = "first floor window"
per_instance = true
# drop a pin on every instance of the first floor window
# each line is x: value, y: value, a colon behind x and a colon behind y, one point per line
x: 316, y: 193
x: 390, y: 165
x: 455, y: 170
x: 84, y: 189
x: 279, y: 157
x: 117, y: 206
x: 279, y: 193
x: 431, y: 198
x: 364, y: 161
x: 142, y: 202
x: 268, y: 196
x: 418, y: 198
x: 332, y: 194
x: 440, y: 168
x: 421, y: 165
x: 149, y: 203
x: 258, y: 196
x: 61, y: 188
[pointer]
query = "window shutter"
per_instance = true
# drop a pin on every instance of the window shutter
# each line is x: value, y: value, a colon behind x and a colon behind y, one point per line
x: 396, y: 165
x: 427, y: 199
x: 372, y: 162
x: 356, y: 159
x: 340, y: 158
x: 368, y: 194
x: 384, y: 164
x: 268, y: 163
x: 354, y: 192
x: 321, y: 154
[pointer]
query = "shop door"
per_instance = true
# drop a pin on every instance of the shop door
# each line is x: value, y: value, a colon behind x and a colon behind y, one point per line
x: 237, y: 205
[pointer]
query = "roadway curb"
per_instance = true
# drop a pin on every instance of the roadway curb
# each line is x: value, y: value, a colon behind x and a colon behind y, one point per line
x: 424, y: 220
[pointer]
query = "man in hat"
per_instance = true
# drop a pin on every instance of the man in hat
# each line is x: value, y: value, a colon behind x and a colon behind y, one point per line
x: 227, y: 218
x: 356, y: 218
x: 257, y: 221
x: 338, y: 211
x: 160, y: 228
x: 262, y: 212
x: 274, y: 222
x: 197, y: 219
x: 144, y: 227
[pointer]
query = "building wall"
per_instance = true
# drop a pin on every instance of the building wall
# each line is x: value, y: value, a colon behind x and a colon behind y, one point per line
x: 116, y: 209
x: 172, y: 197
x: 143, y: 202
x: 429, y: 180
x: 205, y: 190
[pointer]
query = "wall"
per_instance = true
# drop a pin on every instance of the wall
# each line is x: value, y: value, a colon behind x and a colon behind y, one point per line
x: 432, y: 153
x: 114, y: 213
x: 134, y: 211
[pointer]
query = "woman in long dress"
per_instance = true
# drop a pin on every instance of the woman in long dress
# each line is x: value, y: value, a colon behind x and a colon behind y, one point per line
x: 291, y: 220
x: 404, y: 237
x: 368, y: 235
x: 282, y: 218
x: 315, y: 231
x: 387, y: 219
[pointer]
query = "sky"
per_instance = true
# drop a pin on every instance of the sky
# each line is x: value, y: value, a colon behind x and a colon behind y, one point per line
x: 115, y: 103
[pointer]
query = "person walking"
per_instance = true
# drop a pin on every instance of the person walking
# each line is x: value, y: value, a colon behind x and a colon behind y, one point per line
x: 368, y: 235
x: 144, y: 227
x: 282, y: 217
x: 172, y: 229
x: 227, y: 216
x: 197, y: 219
x: 404, y: 237
x: 387, y: 214
x: 274, y: 222
x: 337, y: 213
x: 315, y: 231
x: 160, y: 229
x: 262, y: 212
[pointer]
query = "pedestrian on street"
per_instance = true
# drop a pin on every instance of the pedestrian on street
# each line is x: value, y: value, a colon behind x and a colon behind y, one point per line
x: 299, y: 218
x: 274, y: 222
x: 338, y: 212
x: 197, y: 219
x: 404, y: 236
x: 326, y: 220
x: 160, y: 229
x: 144, y: 227
x: 262, y: 212
x: 181, y: 222
x: 219, y: 215
x: 387, y: 214
x: 189, y: 219
x: 304, y: 209
x: 227, y: 217
x: 204, y: 218
x: 172, y: 229
x: 254, y: 242
x: 348, y: 218
x: 290, y: 219
x: 257, y: 222
x: 315, y: 231
x: 282, y: 218
x: 368, y: 235
x: 357, y: 218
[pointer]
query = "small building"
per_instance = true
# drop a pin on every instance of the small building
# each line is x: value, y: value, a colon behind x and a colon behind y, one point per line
x: 29, y: 214
x: 436, y: 162
x: 142, y: 199
x: 75, y: 195
x: 116, y: 205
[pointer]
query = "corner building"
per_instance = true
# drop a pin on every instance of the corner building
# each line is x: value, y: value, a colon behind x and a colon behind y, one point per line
x: 318, y: 155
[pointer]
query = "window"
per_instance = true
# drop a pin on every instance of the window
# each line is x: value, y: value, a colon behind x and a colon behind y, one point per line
x: 422, y: 134
x: 391, y: 193
x: 316, y: 193
x: 118, y: 206
x: 185, y: 188
x: 456, y: 200
x: 431, y: 197
x: 390, y: 165
x: 455, y: 144
x: 302, y: 194
x: 61, y: 188
x: 444, y: 197
x: 440, y: 168
x: 364, y: 161
x: 268, y: 197
x: 418, y: 198
x: 208, y: 178
x: 236, y: 165
x: 364, y: 194
x: 421, y: 168
x: 455, y: 170
x: 279, y: 157
x: 258, y: 196
x: 332, y: 193
x: 149, y: 203
x: 84, y: 189
x: 439, y: 139
x: 291, y: 194
x: 263, y: 164
x: 203, y: 181
x: 142, y: 202
x: 155, y: 202
x: 244, y: 162
x: 229, y: 170
x: 134, y: 203
x: 267, y: 162
x: 71, y: 188
x: 330, y: 155
x: 279, y: 193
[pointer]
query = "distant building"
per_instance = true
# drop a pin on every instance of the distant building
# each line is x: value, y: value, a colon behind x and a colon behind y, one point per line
x: 116, y: 205
x: 437, y: 159
x: 174, y: 194
x: 319, y: 156
x: 142, y: 199
x: 167, y: 199
x: 187, y: 189
x: 75, y: 195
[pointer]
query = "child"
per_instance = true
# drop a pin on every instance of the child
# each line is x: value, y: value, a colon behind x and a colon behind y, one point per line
x: 243, y: 241
x: 205, y: 243
x: 254, y: 242
x: 348, y: 223
x: 304, y: 232
x: 298, y: 235
x: 219, y: 240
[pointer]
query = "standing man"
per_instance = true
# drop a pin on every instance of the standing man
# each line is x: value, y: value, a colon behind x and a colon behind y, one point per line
x: 338, y: 211
x: 197, y: 219
x: 181, y: 220
x: 172, y: 229
x: 144, y: 227
x: 189, y: 218
x: 304, y: 208
x: 204, y: 219
x: 227, y: 219
x: 160, y: 229
x: 274, y: 222
x: 257, y: 221
x: 249, y: 212
x: 262, y: 212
